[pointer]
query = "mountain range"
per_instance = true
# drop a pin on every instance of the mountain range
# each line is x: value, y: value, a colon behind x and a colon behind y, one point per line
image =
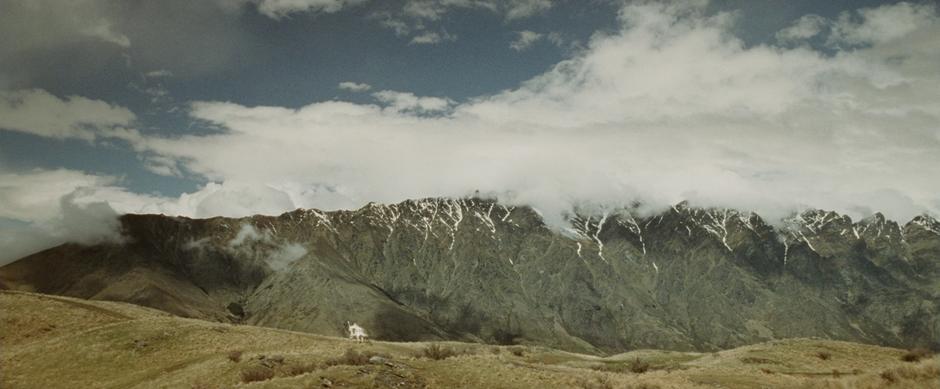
x: 476, y: 270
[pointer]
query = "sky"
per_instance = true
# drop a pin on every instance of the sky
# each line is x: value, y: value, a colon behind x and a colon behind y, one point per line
x: 240, y: 107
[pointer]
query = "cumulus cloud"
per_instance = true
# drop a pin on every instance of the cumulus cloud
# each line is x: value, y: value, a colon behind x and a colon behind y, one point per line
x: 882, y: 24
x: 280, y: 8
x: 407, y: 102
x: 41, y: 209
x: 44, y: 208
x: 519, y: 9
x: 417, y: 18
x: 432, y: 37
x: 672, y: 107
x: 354, y: 86
x: 524, y: 40
x: 804, y: 28
x: 510, y: 9
x: 40, y: 113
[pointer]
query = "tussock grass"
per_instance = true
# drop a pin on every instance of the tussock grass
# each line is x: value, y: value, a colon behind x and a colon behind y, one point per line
x: 296, y: 369
x: 257, y: 373
x: 351, y: 357
x: 437, y: 352
x: 235, y: 355
x: 916, y: 354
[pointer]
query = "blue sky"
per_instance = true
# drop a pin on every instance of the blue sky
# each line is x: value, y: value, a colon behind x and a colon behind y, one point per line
x: 236, y: 107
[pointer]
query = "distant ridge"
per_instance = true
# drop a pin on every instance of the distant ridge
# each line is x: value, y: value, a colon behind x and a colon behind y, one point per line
x: 470, y: 269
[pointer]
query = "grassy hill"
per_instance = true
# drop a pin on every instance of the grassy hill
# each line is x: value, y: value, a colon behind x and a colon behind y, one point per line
x: 50, y: 341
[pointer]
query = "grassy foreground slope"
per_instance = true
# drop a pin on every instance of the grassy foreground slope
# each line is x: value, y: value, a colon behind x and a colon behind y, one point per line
x: 50, y: 341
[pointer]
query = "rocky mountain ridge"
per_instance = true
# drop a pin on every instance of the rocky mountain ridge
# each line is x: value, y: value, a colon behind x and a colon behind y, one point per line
x: 472, y: 269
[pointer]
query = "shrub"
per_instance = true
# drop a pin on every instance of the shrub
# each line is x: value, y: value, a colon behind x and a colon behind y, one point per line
x: 916, y: 354
x: 758, y: 361
x: 824, y: 355
x: 436, y: 352
x: 235, y: 355
x: 350, y: 357
x: 257, y: 373
x: 300, y: 368
x: 638, y: 366
x: 597, y: 383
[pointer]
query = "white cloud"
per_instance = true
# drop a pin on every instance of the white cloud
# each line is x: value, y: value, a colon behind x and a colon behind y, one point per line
x: 162, y: 73
x: 354, y: 86
x: 510, y: 9
x: 44, y: 208
x: 519, y: 9
x: 40, y: 209
x: 804, y: 28
x: 882, y: 24
x: 672, y: 107
x: 40, y: 113
x: 431, y: 37
x: 408, y: 102
x: 101, y: 29
x: 280, y: 8
x: 278, y: 255
x: 524, y: 40
x: 418, y: 17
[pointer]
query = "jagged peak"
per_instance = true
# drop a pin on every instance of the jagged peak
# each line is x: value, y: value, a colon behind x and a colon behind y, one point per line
x: 926, y: 222
x: 875, y: 218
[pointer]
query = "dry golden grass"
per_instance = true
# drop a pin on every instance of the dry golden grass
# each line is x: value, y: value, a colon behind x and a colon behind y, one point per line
x: 916, y: 354
x: 93, y: 344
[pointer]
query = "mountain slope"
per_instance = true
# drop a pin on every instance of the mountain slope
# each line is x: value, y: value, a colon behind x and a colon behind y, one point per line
x: 53, y: 342
x: 685, y: 279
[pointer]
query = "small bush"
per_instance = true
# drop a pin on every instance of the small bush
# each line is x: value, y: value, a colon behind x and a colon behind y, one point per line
x: 597, y: 383
x: 297, y: 369
x: 257, y: 373
x: 350, y: 357
x: 916, y: 354
x: 436, y: 352
x: 639, y: 367
x: 758, y: 361
x: 824, y: 355
x: 235, y: 355
x: 272, y: 361
x: 517, y: 351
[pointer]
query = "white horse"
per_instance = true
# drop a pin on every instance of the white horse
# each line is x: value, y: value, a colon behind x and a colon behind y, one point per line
x: 356, y: 332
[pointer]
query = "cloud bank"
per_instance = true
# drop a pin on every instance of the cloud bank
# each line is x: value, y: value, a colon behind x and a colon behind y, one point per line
x: 671, y: 107
x: 40, y: 113
x: 42, y: 209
